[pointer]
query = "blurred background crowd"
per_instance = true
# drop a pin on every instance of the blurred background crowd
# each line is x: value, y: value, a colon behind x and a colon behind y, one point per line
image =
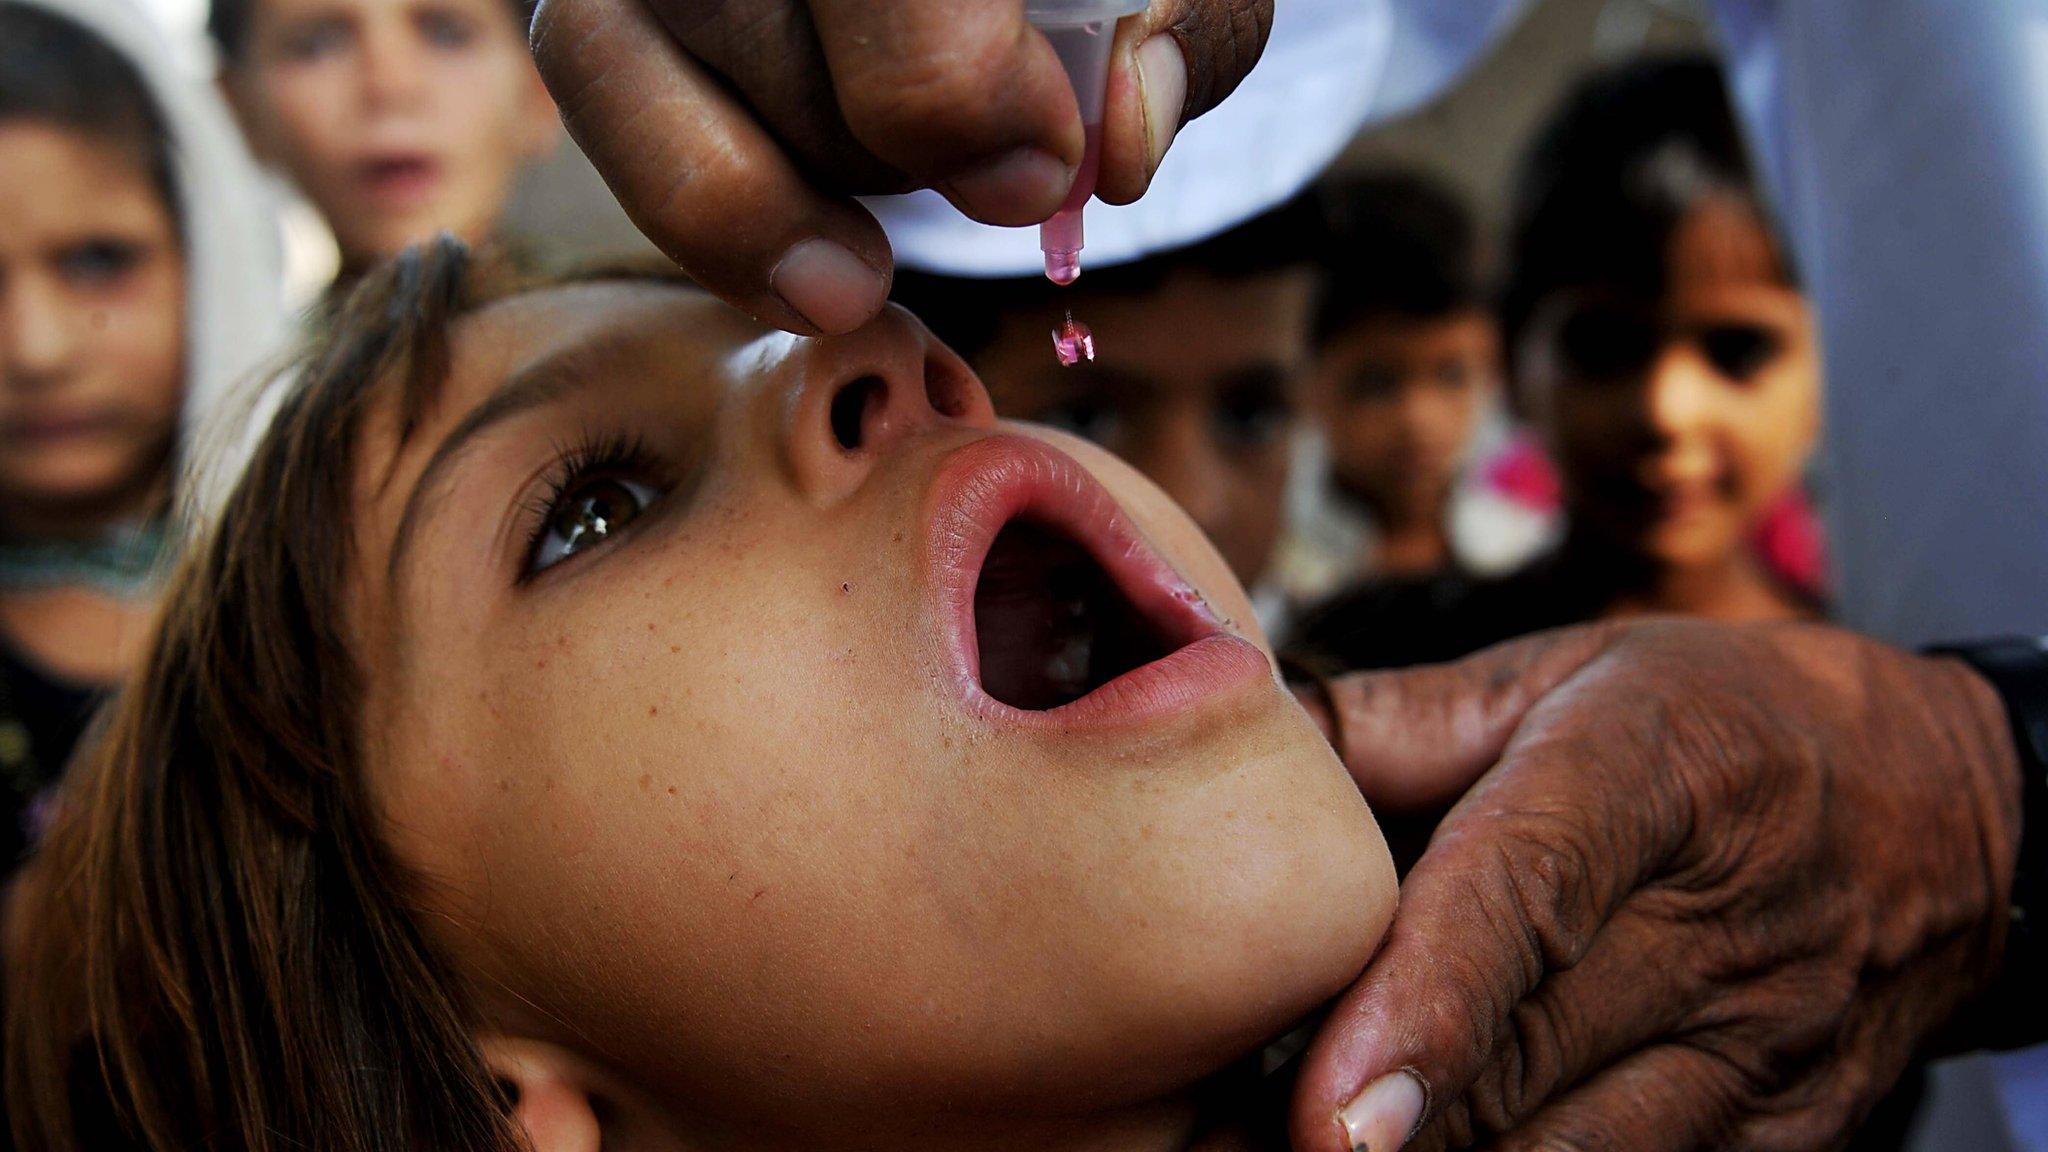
x: 1533, y: 355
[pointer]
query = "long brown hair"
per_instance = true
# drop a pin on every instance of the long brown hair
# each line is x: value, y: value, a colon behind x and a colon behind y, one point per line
x: 214, y: 947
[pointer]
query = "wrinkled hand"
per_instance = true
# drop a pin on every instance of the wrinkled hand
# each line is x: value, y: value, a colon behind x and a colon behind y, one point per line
x: 1720, y: 885
x: 736, y: 133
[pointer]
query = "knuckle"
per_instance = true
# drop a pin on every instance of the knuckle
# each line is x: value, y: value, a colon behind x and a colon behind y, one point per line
x: 1546, y: 858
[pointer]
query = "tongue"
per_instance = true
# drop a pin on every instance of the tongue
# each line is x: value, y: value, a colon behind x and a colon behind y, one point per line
x: 1050, y: 624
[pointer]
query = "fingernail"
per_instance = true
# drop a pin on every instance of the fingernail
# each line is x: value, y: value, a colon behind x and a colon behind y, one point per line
x: 825, y: 283
x: 1022, y: 186
x: 1381, y: 1118
x: 1163, y: 81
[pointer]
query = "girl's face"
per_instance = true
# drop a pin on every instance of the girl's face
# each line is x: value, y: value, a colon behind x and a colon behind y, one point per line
x: 92, y: 323
x: 816, y: 756
x: 1678, y: 426
x: 397, y: 118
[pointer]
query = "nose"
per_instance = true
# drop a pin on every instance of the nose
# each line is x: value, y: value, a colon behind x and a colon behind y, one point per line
x: 392, y: 73
x: 37, y: 341
x: 1679, y: 394
x: 1181, y: 457
x: 852, y: 401
x: 1420, y: 417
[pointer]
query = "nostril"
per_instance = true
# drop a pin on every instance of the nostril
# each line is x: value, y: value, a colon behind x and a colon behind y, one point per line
x: 851, y: 406
x: 946, y: 388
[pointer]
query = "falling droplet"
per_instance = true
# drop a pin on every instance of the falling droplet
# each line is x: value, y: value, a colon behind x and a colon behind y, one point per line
x: 1072, y: 342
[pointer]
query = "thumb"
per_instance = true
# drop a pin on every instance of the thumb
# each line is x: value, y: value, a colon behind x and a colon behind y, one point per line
x: 1416, y: 739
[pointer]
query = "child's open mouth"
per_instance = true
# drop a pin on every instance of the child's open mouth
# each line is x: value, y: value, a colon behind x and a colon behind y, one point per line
x: 1050, y: 626
x: 399, y: 179
x: 1058, y: 608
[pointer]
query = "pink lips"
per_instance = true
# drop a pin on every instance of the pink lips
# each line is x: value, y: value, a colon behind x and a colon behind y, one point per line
x: 987, y: 484
x: 399, y: 180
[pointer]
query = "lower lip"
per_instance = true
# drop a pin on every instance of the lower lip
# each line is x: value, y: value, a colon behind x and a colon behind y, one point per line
x: 983, y: 486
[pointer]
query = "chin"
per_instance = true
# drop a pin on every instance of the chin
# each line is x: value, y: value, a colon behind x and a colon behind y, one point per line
x: 1277, y: 893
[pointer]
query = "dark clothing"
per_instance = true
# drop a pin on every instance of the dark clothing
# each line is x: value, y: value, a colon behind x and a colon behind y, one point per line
x: 1432, y: 619
x: 41, y: 719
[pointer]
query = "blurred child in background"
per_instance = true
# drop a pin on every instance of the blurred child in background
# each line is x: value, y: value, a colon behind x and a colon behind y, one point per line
x: 396, y: 118
x: 1425, y: 474
x: 1658, y: 339
x: 132, y: 289
x: 1202, y: 356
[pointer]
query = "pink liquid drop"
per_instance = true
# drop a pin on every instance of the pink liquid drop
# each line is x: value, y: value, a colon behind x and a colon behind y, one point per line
x: 1060, y: 237
x: 1072, y: 342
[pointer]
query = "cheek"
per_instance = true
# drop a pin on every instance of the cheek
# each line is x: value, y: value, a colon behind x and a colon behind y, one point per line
x: 1367, y: 431
x: 1259, y: 486
x: 719, y: 769
x: 153, y: 358
x: 479, y: 97
x: 137, y: 354
x: 305, y: 119
x: 1774, y: 432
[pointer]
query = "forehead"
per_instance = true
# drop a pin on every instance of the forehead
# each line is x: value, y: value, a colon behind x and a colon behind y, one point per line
x: 58, y: 177
x: 596, y: 325
x: 1722, y: 241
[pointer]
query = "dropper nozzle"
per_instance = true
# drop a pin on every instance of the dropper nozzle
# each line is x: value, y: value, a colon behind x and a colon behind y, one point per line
x: 1080, y: 32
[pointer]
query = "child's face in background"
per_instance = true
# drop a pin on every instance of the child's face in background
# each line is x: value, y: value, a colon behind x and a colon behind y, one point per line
x: 1197, y: 385
x: 684, y: 697
x: 92, y: 327
x: 1677, y: 426
x: 397, y: 118
x: 1401, y: 397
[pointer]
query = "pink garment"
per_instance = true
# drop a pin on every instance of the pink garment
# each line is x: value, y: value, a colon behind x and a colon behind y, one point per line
x: 1789, y: 541
x: 1522, y: 473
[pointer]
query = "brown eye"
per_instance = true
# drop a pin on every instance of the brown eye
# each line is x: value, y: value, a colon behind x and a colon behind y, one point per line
x: 585, y: 515
x: 1740, y: 351
x: 99, y: 263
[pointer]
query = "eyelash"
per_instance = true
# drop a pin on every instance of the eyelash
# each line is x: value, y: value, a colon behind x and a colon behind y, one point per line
x: 593, y: 456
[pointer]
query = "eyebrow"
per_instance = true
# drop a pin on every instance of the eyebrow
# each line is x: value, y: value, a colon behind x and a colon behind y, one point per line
x: 536, y: 386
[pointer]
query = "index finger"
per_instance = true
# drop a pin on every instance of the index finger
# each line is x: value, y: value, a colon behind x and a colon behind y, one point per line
x: 701, y: 177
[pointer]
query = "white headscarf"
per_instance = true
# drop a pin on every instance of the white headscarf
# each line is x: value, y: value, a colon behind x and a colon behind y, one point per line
x: 234, y: 315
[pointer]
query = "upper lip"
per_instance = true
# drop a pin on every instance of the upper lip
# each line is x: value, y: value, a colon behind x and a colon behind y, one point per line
x: 987, y: 484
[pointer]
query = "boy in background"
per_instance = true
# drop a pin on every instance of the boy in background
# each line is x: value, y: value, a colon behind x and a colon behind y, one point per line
x: 1407, y: 386
x: 396, y: 118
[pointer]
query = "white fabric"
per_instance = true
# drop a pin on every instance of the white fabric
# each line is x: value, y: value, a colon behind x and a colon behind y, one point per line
x: 1907, y: 144
x: 1329, y: 65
